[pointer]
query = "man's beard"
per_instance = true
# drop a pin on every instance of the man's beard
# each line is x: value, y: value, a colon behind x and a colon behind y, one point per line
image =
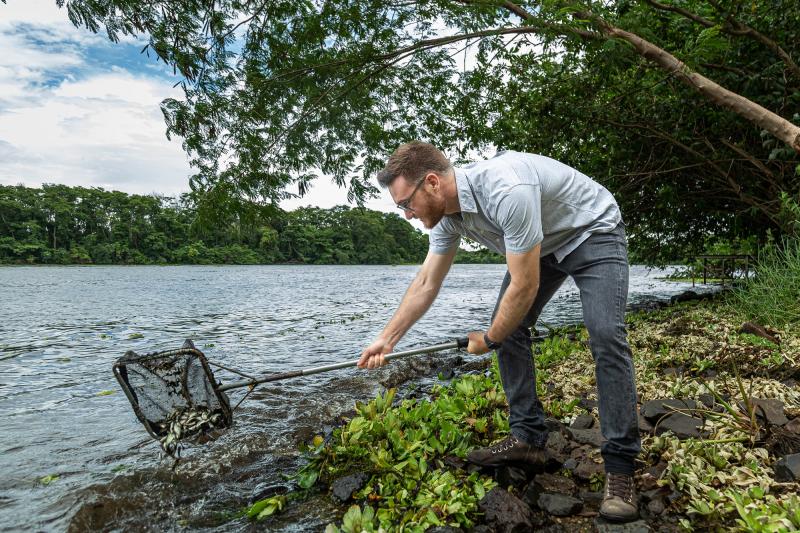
x: 430, y: 222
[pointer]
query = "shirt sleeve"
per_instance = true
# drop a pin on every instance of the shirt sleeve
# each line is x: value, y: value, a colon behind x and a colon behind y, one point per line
x: 519, y: 214
x: 444, y: 237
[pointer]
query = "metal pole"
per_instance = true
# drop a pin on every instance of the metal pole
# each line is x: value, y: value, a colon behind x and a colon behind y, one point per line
x: 460, y: 343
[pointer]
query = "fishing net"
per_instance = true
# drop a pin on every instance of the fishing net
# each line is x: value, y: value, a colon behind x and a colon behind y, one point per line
x: 174, y: 394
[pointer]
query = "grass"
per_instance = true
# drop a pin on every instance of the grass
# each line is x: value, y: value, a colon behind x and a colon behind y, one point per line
x: 772, y: 297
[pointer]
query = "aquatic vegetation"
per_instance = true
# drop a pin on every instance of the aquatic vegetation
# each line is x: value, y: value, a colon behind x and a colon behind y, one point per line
x: 266, y: 507
x: 46, y: 480
x: 410, y: 449
x: 404, y: 447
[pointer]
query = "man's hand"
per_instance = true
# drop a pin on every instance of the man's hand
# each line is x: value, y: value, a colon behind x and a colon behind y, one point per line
x: 373, y: 355
x: 477, y: 345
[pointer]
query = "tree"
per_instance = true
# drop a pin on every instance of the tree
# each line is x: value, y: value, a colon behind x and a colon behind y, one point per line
x: 288, y: 91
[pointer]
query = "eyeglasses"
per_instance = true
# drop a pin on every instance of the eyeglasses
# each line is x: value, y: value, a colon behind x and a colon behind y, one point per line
x: 404, y: 205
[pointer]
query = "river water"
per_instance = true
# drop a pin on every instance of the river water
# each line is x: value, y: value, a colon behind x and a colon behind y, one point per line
x: 64, y: 415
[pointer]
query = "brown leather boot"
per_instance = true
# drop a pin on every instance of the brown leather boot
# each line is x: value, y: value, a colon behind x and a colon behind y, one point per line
x: 509, y: 450
x: 620, y: 503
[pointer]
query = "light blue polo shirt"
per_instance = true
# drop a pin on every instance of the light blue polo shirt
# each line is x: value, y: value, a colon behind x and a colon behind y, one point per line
x: 514, y: 201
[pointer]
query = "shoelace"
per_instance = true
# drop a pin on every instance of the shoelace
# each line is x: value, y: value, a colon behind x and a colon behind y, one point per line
x: 619, y: 485
x: 504, y: 445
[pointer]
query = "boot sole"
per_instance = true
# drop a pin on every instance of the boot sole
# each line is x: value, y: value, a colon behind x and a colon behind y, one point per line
x: 619, y: 519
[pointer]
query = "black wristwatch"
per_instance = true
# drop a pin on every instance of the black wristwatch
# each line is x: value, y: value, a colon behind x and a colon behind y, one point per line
x: 490, y: 343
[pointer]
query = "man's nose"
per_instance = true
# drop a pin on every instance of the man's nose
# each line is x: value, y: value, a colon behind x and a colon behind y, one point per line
x: 408, y: 214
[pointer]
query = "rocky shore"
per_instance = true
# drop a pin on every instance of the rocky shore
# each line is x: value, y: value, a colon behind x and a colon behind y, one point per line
x: 719, y: 418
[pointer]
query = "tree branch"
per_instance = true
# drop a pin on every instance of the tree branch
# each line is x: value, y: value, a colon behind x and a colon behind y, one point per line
x: 734, y: 27
x: 755, y: 113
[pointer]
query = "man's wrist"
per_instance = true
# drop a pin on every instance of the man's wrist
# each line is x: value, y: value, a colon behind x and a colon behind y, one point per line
x: 490, y: 343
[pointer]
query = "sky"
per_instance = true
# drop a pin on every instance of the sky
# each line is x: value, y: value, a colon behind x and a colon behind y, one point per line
x: 77, y: 109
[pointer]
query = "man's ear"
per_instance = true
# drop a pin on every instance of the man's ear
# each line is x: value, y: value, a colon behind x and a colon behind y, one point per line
x: 434, y: 180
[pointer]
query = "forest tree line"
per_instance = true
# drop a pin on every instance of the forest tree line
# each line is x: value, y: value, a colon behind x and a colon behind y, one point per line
x: 58, y: 224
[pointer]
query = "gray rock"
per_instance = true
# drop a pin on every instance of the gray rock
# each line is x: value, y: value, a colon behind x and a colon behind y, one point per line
x: 707, y: 400
x: 592, y: 437
x: 584, y: 421
x: 787, y: 468
x: 771, y: 410
x: 557, y: 445
x: 571, y: 464
x: 793, y: 425
x: 591, y: 497
x: 681, y: 425
x: 504, y: 512
x: 548, y: 484
x: 604, y: 526
x: 508, y: 476
x: 587, y: 404
x: 644, y: 425
x: 344, y: 487
x: 655, y: 409
x: 673, y: 371
x: 559, y: 504
x: 553, y: 424
x: 587, y: 468
x: 445, y: 529
x: 656, y: 506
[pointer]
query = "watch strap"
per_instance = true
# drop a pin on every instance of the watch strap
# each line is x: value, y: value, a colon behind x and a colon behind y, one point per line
x: 492, y: 345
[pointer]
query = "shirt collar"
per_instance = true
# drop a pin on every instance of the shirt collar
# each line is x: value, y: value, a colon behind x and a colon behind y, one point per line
x: 466, y: 199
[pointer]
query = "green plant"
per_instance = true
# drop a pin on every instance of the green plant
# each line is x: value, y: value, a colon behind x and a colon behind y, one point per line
x: 402, y: 447
x: 772, y: 296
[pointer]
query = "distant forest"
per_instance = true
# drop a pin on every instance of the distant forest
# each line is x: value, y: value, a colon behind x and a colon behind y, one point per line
x: 57, y: 224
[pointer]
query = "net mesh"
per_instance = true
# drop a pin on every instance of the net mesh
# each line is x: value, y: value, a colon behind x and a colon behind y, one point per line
x: 174, y: 394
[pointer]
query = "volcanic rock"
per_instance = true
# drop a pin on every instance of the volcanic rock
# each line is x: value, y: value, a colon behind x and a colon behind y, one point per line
x: 584, y: 421
x: 683, y: 426
x: 604, y: 526
x: 559, y: 504
x: 504, y: 512
x: 653, y: 410
x: 592, y: 437
x: 587, y: 467
x: 770, y: 409
x: 787, y: 468
x: 344, y: 487
x: 793, y: 426
x: 548, y: 484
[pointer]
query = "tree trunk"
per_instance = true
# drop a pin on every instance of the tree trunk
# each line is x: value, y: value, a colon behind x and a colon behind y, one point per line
x: 762, y: 117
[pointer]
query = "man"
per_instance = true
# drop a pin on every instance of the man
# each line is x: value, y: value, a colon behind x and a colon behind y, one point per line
x: 550, y: 221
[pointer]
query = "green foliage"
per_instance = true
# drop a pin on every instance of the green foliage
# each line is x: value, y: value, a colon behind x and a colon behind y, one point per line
x: 266, y: 507
x: 402, y: 446
x: 285, y: 92
x: 59, y: 225
x: 772, y: 296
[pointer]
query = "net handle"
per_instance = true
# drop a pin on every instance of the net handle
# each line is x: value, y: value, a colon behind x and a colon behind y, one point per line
x: 456, y: 344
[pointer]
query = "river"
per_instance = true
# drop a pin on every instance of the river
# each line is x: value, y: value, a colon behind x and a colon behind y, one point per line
x: 64, y: 415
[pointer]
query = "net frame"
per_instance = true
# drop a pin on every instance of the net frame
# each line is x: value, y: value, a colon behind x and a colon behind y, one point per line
x: 193, y: 360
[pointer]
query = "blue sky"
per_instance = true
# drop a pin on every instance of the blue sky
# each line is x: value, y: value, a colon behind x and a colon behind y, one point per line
x: 77, y: 109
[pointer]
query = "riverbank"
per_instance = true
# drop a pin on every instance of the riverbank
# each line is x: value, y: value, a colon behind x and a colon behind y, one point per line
x: 720, y: 422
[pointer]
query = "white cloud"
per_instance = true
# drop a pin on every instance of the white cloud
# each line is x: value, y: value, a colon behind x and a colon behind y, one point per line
x: 64, y: 121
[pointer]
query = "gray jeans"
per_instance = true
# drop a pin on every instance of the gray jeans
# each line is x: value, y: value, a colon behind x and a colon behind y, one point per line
x: 599, y: 267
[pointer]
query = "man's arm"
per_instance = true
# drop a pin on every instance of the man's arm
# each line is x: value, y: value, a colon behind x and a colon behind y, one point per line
x: 417, y: 300
x: 517, y: 300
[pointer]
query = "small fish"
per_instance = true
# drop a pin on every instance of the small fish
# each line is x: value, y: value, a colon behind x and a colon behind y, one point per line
x: 185, y: 423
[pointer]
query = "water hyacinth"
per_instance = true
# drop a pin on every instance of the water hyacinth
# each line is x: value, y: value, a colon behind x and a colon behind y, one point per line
x: 723, y: 481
